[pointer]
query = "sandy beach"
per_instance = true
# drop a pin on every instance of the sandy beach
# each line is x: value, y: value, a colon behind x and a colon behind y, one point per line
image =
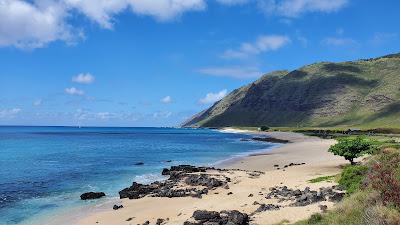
x: 244, y: 188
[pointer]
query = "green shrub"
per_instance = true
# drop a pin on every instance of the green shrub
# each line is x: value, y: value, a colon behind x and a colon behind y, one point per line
x: 352, y: 147
x: 264, y: 128
x: 352, y: 177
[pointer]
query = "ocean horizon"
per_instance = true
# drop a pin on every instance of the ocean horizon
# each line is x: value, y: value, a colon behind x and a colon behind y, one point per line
x: 44, y: 169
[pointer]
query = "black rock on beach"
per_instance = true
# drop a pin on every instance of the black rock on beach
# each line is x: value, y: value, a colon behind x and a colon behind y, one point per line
x: 92, y: 195
x: 203, y: 217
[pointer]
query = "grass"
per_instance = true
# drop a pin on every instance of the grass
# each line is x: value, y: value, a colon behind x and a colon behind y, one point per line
x: 323, y: 178
x: 351, y: 177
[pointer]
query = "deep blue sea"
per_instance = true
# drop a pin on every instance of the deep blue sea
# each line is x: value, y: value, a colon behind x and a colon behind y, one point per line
x: 45, y: 169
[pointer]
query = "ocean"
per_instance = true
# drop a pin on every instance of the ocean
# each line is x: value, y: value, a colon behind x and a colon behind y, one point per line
x: 44, y: 170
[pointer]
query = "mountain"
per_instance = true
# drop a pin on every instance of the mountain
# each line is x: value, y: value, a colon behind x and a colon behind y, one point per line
x: 363, y: 93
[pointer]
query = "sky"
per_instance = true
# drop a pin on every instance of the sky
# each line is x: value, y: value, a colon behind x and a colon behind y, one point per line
x: 158, y: 62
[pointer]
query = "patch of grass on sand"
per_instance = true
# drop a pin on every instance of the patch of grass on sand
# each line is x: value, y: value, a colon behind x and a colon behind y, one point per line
x: 321, y: 179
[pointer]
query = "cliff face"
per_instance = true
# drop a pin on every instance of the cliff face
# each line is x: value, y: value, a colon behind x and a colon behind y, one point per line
x: 364, y: 92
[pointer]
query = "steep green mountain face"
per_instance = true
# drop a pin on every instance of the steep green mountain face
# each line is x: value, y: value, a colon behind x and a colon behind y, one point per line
x: 364, y: 93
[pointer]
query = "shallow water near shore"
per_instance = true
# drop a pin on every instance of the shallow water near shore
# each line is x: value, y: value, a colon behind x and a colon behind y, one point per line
x: 43, y: 170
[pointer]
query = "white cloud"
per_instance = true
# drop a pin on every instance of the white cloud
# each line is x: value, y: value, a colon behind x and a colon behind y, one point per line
x: 166, y: 99
x: 165, y: 9
x: 105, y: 115
x: 28, y: 25
x: 232, y: 2
x: 213, y: 97
x: 36, y: 23
x: 263, y: 43
x: 235, y: 72
x: 294, y: 8
x: 37, y: 102
x: 162, y: 115
x: 339, y: 42
x: 74, y: 91
x: 83, y: 78
x: 33, y: 24
x: 382, y: 38
x: 9, y: 113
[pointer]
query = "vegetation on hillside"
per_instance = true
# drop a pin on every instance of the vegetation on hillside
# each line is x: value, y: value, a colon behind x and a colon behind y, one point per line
x: 363, y: 94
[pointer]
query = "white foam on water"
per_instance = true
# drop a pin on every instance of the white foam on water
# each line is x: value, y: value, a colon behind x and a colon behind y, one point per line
x: 148, y: 178
x: 238, y: 156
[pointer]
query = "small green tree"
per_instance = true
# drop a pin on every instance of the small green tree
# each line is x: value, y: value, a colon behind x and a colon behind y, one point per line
x: 351, y: 148
x: 264, y: 128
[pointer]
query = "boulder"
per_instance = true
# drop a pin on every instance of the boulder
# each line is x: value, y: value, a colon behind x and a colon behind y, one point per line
x: 116, y: 207
x: 92, y: 195
x: 203, y: 217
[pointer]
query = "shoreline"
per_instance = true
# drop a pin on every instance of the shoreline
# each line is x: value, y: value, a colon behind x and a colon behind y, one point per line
x: 73, y: 214
x: 308, y: 154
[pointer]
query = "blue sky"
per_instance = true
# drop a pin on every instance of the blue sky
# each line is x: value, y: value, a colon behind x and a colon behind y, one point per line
x: 156, y: 63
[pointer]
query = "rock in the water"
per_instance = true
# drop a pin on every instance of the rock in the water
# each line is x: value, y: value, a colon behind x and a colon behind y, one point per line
x: 270, y: 139
x: 92, y: 195
x: 139, y: 163
x: 116, y: 207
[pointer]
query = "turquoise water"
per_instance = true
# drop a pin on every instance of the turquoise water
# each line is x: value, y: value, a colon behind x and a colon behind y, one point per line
x: 45, y: 169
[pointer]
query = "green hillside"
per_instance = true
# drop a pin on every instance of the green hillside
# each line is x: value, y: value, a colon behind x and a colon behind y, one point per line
x: 363, y: 93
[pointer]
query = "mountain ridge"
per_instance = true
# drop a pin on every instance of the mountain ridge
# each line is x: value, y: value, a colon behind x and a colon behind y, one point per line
x: 364, y: 92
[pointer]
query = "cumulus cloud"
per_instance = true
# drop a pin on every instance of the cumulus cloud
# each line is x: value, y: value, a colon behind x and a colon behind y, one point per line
x: 74, y: 91
x: 9, y: 113
x: 294, y: 8
x: 83, y: 78
x: 166, y: 99
x: 263, y: 43
x: 235, y: 72
x: 36, y: 23
x: 213, y: 97
x: 24, y: 24
x: 33, y: 24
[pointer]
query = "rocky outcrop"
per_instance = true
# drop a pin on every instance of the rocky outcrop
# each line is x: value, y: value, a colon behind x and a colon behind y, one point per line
x: 203, y: 217
x: 271, y: 140
x: 92, y: 195
x: 183, y: 169
x: 183, y: 181
x: 306, y: 196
